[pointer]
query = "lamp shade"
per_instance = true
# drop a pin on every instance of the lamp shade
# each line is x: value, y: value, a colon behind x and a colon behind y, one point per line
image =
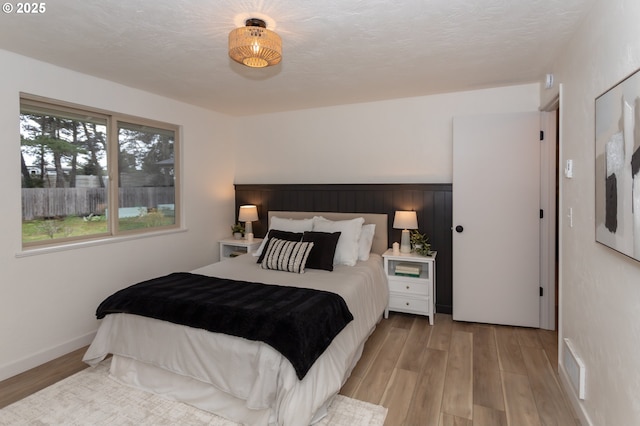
x: 405, y: 220
x: 254, y: 45
x: 248, y: 213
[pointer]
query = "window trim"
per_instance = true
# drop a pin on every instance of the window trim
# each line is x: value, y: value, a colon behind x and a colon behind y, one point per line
x: 34, y: 251
x: 113, y: 234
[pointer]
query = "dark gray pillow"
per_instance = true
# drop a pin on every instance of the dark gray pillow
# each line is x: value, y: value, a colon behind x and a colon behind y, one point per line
x: 324, y: 249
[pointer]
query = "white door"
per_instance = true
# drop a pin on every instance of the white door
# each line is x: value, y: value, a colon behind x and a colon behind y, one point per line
x: 496, y: 208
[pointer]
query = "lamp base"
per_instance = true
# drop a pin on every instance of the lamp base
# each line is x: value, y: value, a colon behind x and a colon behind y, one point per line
x: 248, y: 228
x: 405, y: 242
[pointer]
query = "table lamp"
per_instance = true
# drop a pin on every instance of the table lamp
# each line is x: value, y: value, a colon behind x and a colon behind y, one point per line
x: 248, y: 214
x: 405, y: 220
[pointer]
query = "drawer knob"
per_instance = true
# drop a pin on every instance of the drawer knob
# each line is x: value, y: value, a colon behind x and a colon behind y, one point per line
x: 408, y: 287
x: 407, y: 303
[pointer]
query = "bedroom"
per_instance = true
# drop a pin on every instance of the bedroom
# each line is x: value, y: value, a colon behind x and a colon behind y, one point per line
x: 48, y: 301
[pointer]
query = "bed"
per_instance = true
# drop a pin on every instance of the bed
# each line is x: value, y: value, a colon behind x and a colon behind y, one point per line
x: 248, y: 381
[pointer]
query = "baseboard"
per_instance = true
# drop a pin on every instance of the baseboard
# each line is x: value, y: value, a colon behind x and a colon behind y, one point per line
x: 572, y: 395
x: 29, y: 362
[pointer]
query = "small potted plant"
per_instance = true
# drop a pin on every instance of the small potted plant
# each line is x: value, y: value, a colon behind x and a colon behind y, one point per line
x: 238, y: 231
x: 419, y: 243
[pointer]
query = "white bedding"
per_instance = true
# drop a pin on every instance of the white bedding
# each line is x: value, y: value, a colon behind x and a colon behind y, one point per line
x: 245, y: 381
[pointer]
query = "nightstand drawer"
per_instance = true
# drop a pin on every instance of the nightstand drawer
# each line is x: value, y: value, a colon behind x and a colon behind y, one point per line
x: 408, y: 304
x: 409, y: 287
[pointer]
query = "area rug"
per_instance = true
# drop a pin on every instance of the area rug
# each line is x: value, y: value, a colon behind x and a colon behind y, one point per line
x: 91, y: 397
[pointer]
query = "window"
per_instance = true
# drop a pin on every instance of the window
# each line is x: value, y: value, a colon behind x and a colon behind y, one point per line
x: 79, y: 165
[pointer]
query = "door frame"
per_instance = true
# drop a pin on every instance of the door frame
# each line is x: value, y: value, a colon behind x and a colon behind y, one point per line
x: 549, y: 190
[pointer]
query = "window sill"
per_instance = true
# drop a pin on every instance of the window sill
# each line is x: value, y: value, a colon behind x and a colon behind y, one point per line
x: 90, y: 243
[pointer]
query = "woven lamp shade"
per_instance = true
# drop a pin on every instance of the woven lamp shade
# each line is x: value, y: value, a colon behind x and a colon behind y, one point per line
x: 254, y: 45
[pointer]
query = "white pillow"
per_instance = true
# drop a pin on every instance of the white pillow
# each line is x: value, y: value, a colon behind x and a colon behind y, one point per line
x: 366, y: 240
x: 291, y: 225
x: 283, y: 224
x: 350, y: 230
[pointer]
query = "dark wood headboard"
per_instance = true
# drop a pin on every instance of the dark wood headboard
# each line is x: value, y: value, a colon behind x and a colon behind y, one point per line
x: 432, y: 203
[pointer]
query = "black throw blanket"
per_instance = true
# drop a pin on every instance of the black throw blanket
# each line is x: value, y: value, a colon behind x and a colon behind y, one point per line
x: 300, y: 323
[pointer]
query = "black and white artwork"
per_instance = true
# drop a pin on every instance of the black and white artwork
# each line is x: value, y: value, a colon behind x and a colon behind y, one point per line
x: 617, y: 138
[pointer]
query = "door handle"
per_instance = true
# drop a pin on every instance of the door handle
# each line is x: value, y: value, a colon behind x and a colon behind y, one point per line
x: 459, y: 229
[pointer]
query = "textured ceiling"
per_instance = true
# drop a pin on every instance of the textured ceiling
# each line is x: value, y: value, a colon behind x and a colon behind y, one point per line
x: 334, y: 51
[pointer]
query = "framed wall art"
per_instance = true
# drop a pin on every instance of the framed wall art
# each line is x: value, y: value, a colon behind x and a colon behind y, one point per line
x: 617, y: 144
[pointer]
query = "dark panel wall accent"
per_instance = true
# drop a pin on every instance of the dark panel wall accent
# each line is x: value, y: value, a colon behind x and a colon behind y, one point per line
x: 432, y: 203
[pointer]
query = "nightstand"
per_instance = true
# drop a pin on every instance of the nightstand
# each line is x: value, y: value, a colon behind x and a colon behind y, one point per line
x: 412, y: 280
x: 231, y: 247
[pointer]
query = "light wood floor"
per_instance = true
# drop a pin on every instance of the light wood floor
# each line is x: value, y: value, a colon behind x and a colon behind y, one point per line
x: 448, y: 374
x: 461, y: 374
x: 17, y: 387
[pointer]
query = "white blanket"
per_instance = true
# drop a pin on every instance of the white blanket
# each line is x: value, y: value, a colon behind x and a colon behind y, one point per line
x: 245, y: 381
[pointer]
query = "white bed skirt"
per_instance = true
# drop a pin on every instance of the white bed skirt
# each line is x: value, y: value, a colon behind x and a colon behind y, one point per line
x: 194, y: 392
x: 186, y: 389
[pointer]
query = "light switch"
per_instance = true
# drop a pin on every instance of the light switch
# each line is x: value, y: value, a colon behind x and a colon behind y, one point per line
x: 568, y: 169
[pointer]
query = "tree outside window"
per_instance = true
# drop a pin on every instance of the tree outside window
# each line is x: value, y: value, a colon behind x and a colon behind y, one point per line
x: 75, y: 173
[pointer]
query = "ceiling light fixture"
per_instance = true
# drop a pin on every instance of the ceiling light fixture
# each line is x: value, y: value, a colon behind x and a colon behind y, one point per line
x: 254, y: 45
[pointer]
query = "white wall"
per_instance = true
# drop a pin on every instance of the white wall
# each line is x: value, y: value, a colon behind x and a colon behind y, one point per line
x: 48, y: 301
x: 600, y: 288
x: 398, y: 141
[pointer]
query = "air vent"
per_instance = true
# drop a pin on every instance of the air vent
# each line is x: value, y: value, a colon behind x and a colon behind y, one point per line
x: 574, y: 367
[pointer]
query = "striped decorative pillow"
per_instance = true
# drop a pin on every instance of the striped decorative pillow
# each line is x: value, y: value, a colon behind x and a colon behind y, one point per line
x: 289, y: 256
